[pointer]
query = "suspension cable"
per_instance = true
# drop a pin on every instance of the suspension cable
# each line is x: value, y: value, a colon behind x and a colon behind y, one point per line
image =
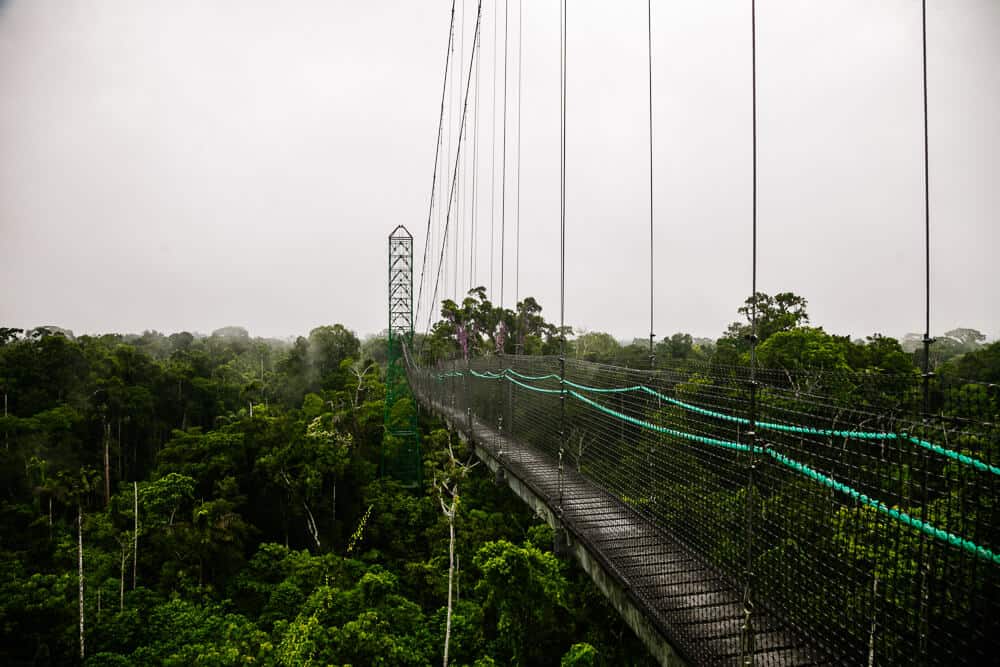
x: 446, y: 239
x: 475, y: 177
x: 924, y: 562
x: 517, y: 210
x: 458, y: 154
x: 747, y: 648
x: 562, y: 243
x: 649, y: 18
x: 503, y: 159
x: 437, y: 152
x: 562, y: 173
x: 493, y: 153
x: 927, y: 229
x: 459, y: 200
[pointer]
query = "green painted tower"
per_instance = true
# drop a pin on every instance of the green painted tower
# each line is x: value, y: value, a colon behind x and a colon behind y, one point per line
x: 401, y: 440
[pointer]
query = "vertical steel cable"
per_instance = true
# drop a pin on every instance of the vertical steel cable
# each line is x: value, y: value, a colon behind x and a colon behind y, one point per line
x: 458, y: 155
x: 437, y: 152
x: 459, y: 200
x: 562, y: 176
x: 445, y: 239
x: 925, y: 564
x: 747, y: 643
x: 475, y: 174
x: 503, y: 153
x: 562, y: 243
x: 503, y: 209
x: 493, y: 153
x: 517, y: 210
x: 649, y: 18
x: 927, y: 228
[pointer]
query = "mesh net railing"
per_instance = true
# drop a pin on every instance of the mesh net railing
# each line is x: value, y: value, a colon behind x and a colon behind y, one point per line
x: 869, y: 526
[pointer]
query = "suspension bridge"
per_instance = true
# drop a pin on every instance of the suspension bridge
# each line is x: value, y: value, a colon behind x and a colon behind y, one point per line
x: 731, y: 514
x: 848, y: 534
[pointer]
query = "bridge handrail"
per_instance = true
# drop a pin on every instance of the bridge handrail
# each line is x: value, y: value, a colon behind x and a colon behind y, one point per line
x: 964, y: 459
x: 885, y: 547
x: 801, y: 468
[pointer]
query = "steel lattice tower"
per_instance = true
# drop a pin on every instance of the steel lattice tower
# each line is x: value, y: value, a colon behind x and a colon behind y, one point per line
x: 401, y: 440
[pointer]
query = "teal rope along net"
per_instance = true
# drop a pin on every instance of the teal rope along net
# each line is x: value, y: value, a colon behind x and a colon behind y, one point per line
x: 803, y: 469
x: 964, y: 459
x: 863, y: 510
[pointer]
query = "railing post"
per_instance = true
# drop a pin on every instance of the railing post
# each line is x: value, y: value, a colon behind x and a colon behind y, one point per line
x: 499, y: 477
x: 510, y: 412
x: 562, y: 421
x: 468, y: 398
x: 747, y: 647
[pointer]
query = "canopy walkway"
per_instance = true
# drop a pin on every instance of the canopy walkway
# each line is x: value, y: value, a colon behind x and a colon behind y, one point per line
x: 732, y: 514
x: 851, y: 532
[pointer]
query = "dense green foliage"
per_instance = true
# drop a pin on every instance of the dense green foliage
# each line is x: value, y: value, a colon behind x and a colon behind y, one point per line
x: 264, y: 533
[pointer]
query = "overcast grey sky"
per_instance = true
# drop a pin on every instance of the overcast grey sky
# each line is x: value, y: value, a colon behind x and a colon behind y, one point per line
x: 190, y: 164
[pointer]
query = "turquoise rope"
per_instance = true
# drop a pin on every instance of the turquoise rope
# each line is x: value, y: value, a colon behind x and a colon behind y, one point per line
x: 952, y: 454
x: 896, y: 514
x: 661, y: 429
x: 826, y: 480
x: 598, y: 390
x: 783, y: 428
x: 902, y: 517
x: 538, y: 389
x: 532, y: 378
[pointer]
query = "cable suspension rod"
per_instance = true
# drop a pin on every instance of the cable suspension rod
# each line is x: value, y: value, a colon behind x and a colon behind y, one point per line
x: 475, y: 176
x: 649, y: 18
x: 459, y: 199
x: 517, y: 212
x: 927, y: 227
x: 493, y: 153
x: 503, y: 159
x: 437, y: 150
x: 747, y: 648
x: 458, y: 154
x: 562, y: 242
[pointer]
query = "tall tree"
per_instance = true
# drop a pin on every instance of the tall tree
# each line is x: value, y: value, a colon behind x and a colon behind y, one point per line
x: 782, y: 312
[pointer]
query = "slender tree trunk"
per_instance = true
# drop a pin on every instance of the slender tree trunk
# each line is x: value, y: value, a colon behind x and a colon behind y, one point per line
x: 6, y: 434
x: 135, y: 535
x: 79, y: 554
x: 121, y: 586
x: 451, y: 511
x: 451, y: 577
x: 311, y: 524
